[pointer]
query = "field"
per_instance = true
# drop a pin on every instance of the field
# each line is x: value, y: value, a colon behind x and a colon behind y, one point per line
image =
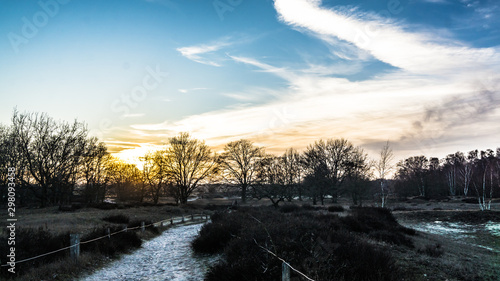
x: 445, y: 255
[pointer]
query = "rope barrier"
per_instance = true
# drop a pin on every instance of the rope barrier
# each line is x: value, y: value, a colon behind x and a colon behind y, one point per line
x: 98, y: 238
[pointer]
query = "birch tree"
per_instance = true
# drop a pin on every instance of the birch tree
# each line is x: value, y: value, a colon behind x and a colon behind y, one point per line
x: 383, y: 167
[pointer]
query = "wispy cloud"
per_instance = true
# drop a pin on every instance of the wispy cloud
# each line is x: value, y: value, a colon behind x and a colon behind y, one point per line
x: 281, y: 72
x: 185, y: 91
x: 201, y: 53
x: 437, y: 1
x: 414, y: 52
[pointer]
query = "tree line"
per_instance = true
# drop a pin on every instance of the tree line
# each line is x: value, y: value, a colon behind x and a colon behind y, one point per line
x: 56, y: 159
x: 475, y: 174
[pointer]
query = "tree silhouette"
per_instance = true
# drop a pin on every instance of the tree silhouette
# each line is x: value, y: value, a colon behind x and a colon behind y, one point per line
x: 188, y: 162
x: 240, y: 162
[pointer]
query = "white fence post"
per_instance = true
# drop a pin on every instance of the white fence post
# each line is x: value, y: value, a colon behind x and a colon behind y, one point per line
x: 74, y: 241
x: 285, y: 272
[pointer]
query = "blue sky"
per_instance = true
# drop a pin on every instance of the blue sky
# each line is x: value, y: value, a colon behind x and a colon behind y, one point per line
x: 423, y: 74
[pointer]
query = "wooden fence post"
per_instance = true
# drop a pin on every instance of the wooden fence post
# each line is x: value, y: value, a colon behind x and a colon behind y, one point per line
x: 182, y: 218
x: 285, y: 272
x: 74, y: 251
x: 142, y: 226
x: 109, y: 233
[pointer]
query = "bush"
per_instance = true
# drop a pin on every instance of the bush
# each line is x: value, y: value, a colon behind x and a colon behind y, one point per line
x: 123, y: 219
x: 434, y: 251
x: 33, y: 242
x: 289, y: 208
x: 323, y: 246
x: 104, y: 206
x: 118, y: 243
x: 309, y: 207
x: 334, y: 209
x: 138, y: 223
x: 214, y: 236
x: 396, y: 238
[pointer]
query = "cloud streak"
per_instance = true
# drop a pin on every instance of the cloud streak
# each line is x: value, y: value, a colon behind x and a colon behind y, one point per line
x: 196, y: 53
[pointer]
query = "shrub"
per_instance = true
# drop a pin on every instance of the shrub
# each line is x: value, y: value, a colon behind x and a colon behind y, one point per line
x: 214, y: 236
x: 118, y: 243
x: 334, y: 209
x: 123, y: 219
x: 400, y: 208
x: 104, y: 206
x: 434, y: 251
x: 33, y: 242
x: 289, y: 208
x: 395, y: 238
x: 323, y: 246
x: 309, y: 207
x: 150, y: 227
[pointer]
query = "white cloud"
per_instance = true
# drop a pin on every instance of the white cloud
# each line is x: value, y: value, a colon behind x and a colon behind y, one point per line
x: 185, y: 91
x: 195, y: 53
x: 281, y: 72
x: 436, y: 86
x: 208, y: 53
x: 437, y: 1
x: 414, y: 52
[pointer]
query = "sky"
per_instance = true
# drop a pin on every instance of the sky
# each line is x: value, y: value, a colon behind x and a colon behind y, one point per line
x: 422, y: 74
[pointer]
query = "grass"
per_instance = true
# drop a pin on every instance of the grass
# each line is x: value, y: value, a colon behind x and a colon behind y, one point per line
x: 123, y: 219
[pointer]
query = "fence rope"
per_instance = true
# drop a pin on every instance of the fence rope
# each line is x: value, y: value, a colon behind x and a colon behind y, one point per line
x: 269, y: 251
x: 99, y: 238
x: 282, y: 260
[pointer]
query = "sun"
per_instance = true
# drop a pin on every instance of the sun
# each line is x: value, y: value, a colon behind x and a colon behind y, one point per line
x: 134, y: 155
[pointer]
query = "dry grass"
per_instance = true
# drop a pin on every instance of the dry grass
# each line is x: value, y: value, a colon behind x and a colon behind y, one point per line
x: 65, y: 269
x: 453, y: 260
x: 85, y: 220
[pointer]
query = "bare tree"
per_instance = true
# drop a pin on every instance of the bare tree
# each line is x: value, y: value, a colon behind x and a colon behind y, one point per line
x: 52, y: 152
x: 485, y: 173
x: 125, y: 180
x: 467, y: 171
x: 187, y: 162
x: 383, y: 167
x: 293, y: 173
x: 358, y: 175
x: 94, y: 171
x: 271, y: 180
x: 155, y: 174
x: 413, y: 171
x: 452, y: 167
x: 333, y: 159
x: 240, y: 162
